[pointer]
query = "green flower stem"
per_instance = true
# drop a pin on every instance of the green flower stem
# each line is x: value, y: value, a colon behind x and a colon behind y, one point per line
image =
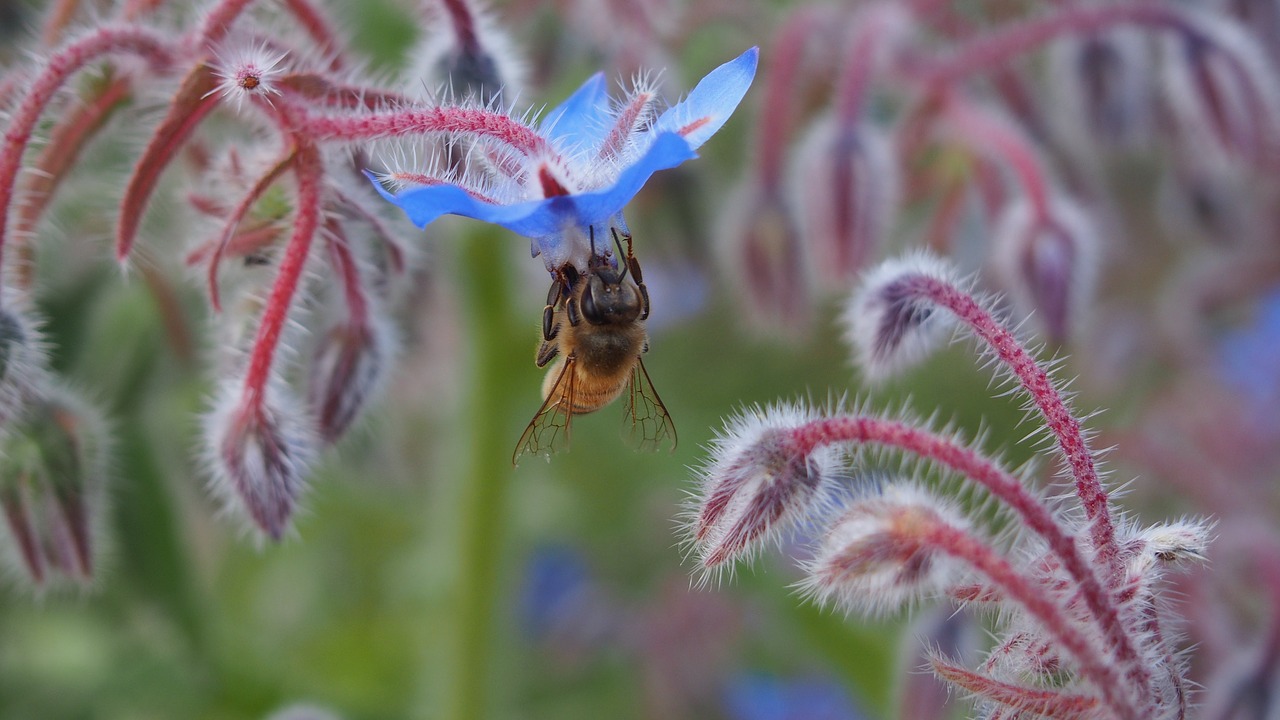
x: 484, y: 285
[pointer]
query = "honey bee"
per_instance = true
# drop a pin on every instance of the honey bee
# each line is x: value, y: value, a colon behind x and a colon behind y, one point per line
x: 593, y: 327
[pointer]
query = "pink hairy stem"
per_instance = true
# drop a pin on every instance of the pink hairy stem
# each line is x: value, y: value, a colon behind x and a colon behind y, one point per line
x: 308, y: 170
x: 1002, y: 141
x: 237, y: 215
x: 983, y: 471
x: 1058, y: 418
x: 1038, y: 701
x: 66, y: 140
x: 64, y: 63
x: 961, y: 545
x: 791, y: 43
x: 415, y: 121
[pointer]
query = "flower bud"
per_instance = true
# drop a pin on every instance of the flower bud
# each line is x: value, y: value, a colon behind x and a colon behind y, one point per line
x: 846, y: 186
x: 260, y: 457
x: 1101, y: 89
x: 22, y: 362
x: 1164, y: 545
x: 347, y: 370
x: 467, y: 53
x: 1218, y: 83
x: 51, y: 486
x: 1049, y: 264
x: 880, y: 554
x: 888, y: 324
x: 761, y: 249
x: 761, y: 480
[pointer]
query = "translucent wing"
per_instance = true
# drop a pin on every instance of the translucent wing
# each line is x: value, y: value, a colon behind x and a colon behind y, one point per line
x: 646, y: 425
x: 548, y: 431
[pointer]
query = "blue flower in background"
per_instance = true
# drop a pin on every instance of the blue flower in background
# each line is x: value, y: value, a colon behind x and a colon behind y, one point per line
x: 596, y: 157
x: 1249, y: 358
x: 556, y: 579
x: 756, y: 696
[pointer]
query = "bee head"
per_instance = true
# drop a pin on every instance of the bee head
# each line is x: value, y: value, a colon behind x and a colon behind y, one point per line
x: 609, y: 300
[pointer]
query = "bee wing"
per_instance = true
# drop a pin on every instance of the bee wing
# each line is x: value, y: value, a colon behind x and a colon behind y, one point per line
x: 548, y: 431
x: 646, y: 425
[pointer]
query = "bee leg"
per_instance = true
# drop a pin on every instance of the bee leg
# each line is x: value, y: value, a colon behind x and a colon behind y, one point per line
x: 571, y: 310
x: 549, y: 327
x: 634, y: 265
x: 546, y: 353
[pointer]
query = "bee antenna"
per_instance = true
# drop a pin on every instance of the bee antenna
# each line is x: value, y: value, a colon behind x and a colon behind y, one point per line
x: 625, y: 263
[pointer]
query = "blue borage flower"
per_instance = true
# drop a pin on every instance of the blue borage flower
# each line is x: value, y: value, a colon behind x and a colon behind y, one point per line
x: 598, y: 155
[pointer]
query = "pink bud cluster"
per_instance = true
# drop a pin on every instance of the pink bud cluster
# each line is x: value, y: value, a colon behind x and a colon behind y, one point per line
x: 287, y: 221
x: 1008, y: 136
x: 1086, y: 627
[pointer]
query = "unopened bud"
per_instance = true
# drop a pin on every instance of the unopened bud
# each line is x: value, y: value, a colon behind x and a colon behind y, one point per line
x: 22, y: 363
x: 261, y: 455
x: 760, y: 482
x: 348, y: 370
x: 889, y: 323
x: 761, y: 249
x: 469, y: 54
x: 51, y: 486
x: 1161, y: 546
x: 881, y: 555
x: 1049, y: 263
x: 1218, y: 82
x: 846, y: 186
x: 1101, y: 87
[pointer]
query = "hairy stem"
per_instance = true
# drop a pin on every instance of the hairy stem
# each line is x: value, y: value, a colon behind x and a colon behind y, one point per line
x: 983, y: 471
x: 61, y: 66
x: 1057, y: 416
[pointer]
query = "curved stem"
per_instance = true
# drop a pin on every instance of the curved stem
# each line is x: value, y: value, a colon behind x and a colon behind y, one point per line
x: 983, y: 471
x: 776, y: 113
x: 999, y: 139
x: 61, y: 66
x: 1044, y: 395
x: 417, y: 121
x: 308, y: 170
x: 961, y: 545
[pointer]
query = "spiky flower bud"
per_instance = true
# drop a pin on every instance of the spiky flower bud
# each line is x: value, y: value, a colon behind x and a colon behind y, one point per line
x: 1166, y: 544
x: 760, y: 245
x: 468, y: 53
x: 760, y: 481
x: 846, y: 185
x: 881, y: 554
x: 260, y: 452
x: 347, y: 371
x: 51, y: 486
x: 1217, y: 81
x: 1101, y: 88
x: 887, y: 322
x: 1049, y: 262
x: 22, y: 362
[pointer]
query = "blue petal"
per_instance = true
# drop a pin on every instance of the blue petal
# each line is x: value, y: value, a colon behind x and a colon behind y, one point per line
x: 667, y: 151
x: 582, y: 120
x: 549, y: 217
x: 712, y: 101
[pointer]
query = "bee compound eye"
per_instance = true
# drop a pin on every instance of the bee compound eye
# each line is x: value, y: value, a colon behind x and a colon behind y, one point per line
x: 588, y: 306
